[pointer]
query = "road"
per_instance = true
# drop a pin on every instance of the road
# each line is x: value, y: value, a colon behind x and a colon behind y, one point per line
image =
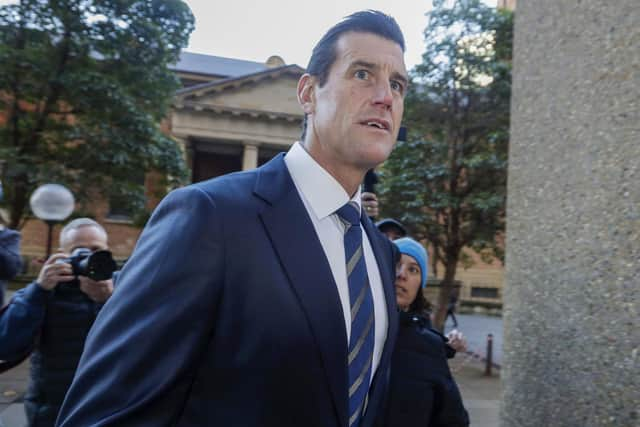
x: 475, y: 328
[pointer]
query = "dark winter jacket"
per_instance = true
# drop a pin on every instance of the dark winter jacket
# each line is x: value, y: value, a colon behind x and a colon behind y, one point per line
x: 54, y: 324
x: 422, y: 392
x: 20, y: 323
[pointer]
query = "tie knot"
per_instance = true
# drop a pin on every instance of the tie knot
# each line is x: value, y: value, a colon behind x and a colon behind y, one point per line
x: 349, y: 213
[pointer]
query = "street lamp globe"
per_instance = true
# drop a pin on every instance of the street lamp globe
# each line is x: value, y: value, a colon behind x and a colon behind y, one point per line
x: 52, y: 203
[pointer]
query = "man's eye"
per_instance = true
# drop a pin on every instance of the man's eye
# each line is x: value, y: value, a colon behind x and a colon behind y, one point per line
x: 395, y: 85
x: 362, y: 74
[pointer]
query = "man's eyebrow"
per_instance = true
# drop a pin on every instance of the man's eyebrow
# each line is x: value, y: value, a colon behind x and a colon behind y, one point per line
x: 401, y: 77
x: 364, y: 64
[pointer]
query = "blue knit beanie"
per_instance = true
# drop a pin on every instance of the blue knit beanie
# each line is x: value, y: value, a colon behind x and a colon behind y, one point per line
x: 410, y: 247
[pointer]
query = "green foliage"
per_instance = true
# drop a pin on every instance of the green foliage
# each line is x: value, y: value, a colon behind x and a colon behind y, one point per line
x: 83, y: 86
x: 447, y: 183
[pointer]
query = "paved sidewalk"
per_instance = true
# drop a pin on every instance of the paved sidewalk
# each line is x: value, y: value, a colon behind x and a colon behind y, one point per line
x: 13, y: 385
x: 475, y: 328
x: 481, y: 394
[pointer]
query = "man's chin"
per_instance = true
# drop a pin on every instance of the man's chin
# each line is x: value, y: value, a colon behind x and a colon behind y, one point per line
x: 375, y: 157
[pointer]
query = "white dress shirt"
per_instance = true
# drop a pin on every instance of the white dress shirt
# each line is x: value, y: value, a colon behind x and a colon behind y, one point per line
x: 323, y: 196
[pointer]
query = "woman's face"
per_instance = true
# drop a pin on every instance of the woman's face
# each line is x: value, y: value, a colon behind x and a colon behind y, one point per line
x: 408, y: 281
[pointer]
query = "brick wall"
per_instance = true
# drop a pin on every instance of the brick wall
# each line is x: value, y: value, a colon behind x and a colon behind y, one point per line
x: 122, y: 235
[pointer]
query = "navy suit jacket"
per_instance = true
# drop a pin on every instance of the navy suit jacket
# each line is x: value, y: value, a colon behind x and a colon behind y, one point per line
x: 226, y: 314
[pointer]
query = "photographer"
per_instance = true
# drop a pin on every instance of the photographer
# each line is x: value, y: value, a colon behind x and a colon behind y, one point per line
x: 51, y: 317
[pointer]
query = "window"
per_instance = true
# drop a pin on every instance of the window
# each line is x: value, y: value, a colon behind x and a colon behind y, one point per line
x: 481, y: 292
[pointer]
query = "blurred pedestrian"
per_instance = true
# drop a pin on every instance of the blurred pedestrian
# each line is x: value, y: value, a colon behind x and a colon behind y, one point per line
x: 451, y: 308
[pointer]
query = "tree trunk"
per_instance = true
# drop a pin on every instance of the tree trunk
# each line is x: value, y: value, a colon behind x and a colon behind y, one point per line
x: 434, y: 260
x: 18, y: 204
x: 447, y: 284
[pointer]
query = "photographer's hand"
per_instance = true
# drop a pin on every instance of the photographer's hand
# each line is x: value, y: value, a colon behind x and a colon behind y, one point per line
x: 97, y: 291
x: 52, y: 273
x: 457, y: 341
x: 370, y: 204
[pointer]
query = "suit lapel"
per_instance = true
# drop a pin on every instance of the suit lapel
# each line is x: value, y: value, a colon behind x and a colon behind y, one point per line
x: 294, y: 239
x: 384, y: 258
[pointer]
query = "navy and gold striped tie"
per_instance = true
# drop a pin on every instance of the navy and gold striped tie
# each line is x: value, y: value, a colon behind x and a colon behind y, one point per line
x: 362, y: 322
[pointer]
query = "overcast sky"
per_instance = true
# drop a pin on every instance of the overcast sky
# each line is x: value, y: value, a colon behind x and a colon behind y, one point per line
x: 257, y: 29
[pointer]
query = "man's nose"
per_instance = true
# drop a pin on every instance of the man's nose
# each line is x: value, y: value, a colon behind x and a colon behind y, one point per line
x: 383, y: 94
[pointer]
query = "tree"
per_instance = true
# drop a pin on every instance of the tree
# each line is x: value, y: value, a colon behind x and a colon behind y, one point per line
x: 84, y: 85
x: 447, y: 182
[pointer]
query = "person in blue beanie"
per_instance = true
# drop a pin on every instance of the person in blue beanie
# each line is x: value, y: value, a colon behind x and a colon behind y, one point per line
x: 422, y: 391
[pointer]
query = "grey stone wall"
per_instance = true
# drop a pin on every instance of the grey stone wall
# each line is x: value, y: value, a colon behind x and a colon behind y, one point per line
x: 572, y: 309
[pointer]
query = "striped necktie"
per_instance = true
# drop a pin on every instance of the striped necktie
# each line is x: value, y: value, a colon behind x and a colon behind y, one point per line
x: 362, y: 322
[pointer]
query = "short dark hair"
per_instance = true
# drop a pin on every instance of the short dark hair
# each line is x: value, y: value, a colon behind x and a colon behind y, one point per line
x: 366, y: 21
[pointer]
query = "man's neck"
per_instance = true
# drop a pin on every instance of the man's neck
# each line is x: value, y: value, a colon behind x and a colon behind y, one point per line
x: 349, y: 178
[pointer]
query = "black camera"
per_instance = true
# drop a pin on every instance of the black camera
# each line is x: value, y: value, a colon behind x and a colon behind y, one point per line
x: 98, y: 265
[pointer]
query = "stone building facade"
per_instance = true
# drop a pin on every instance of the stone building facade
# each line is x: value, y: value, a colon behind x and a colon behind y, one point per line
x: 234, y: 122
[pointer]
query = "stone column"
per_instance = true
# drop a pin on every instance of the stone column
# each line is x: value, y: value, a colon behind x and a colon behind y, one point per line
x: 572, y: 298
x: 250, y: 157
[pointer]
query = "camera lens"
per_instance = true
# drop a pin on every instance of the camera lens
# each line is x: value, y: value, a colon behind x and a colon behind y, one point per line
x: 99, y: 265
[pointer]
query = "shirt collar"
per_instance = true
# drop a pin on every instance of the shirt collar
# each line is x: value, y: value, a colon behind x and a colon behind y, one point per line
x: 323, y: 193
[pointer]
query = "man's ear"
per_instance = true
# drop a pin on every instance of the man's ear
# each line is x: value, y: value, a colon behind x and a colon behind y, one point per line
x: 306, y: 93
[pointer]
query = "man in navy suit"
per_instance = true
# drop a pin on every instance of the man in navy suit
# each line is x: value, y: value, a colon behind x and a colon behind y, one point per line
x: 237, y: 307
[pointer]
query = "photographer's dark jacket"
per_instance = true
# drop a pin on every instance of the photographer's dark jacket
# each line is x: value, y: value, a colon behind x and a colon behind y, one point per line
x: 54, y: 324
x: 422, y: 391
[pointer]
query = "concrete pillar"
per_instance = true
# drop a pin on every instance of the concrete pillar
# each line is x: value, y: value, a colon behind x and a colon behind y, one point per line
x: 250, y: 157
x: 572, y: 297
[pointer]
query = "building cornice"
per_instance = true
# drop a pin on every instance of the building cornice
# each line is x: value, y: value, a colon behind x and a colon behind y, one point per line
x: 203, y: 89
x: 234, y: 111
